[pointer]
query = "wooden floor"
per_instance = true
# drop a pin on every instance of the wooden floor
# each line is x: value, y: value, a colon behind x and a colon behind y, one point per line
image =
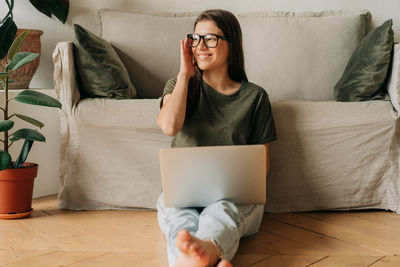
x: 53, y: 237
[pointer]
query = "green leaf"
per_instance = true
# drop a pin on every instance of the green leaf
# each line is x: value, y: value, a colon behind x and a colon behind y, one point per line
x: 26, y: 147
x: 58, y: 8
x: 5, y: 160
x: 21, y: 59
x: 6, y: 125
x: 30, y: 120
x: 27, y: 134
x: 7, y: 34
x: 16, y: 46
x: 37, y: 98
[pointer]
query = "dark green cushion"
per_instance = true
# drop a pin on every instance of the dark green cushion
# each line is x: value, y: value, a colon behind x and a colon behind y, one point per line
x: 366, y: 70
x: 101, y: 71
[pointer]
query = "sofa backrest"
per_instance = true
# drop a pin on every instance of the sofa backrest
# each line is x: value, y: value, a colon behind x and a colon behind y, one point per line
x: 292, y: 55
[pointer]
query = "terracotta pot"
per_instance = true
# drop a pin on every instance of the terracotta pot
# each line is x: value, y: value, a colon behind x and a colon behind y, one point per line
x: 16, y: 189
x: 23, y: 76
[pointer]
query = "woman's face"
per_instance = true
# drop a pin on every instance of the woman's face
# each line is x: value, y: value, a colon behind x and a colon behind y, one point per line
x: 210, y: 58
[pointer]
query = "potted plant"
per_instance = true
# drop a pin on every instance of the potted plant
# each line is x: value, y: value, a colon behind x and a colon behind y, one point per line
x: 8, y: 30
x: 16, y: 177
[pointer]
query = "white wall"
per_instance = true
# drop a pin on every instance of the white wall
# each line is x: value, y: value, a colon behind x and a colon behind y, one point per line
x: 45, y: 154
x: 84, y: 12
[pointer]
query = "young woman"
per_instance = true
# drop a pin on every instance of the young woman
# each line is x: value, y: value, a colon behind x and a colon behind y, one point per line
x: 211, y: 103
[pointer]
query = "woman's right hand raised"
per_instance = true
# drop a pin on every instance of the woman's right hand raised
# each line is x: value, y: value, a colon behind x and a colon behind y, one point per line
x: 187, y: 62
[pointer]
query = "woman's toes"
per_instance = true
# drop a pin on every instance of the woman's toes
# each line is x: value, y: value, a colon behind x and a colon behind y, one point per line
x: 224, y: 263
x: 198, y: 249
x: 183, y: 240
x: 186, y: 245
x: 194, y: 248
x: 183, y: 235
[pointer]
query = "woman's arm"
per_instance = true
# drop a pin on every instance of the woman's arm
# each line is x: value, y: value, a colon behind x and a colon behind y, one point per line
x: 172, y: 114
x: 267, y: 157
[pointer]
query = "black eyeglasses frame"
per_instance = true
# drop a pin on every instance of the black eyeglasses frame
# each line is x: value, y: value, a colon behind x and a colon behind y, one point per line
x: 202, y: 38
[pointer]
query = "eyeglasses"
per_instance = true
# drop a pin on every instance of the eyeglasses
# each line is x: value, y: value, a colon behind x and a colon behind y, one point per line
x: 210, y: 39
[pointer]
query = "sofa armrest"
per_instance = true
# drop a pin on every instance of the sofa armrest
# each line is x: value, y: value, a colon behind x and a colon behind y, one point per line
x: 393, y: 86
x: 64, y: 76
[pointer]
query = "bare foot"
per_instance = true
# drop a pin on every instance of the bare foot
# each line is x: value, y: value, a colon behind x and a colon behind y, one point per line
x: 195, y: 252
x: 224, y: 263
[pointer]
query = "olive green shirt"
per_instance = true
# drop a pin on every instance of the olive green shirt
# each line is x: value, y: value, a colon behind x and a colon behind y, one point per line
x: 242, y: 118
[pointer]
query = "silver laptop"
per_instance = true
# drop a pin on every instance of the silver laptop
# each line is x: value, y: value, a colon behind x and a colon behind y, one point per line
x: 199, y: 176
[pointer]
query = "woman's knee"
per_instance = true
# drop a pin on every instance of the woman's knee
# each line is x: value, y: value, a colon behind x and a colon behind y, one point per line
x: 223, y: 205
x: 172, y: 220
x: 252, y: 217
x: 223, y: 211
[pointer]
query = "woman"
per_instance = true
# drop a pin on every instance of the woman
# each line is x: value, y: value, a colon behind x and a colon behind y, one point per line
x: 211, y: 103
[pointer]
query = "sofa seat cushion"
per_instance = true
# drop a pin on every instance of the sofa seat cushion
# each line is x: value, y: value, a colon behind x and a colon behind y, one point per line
x: 111, y: 155
x: 334, y: 154
x: 329, y: 155
x: 118, y: 114
x: 293, y: 55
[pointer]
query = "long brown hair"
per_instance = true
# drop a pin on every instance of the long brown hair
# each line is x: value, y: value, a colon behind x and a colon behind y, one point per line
x: 229, y: 25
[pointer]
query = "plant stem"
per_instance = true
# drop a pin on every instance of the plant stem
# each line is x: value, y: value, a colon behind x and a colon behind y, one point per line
x: 6, y: 112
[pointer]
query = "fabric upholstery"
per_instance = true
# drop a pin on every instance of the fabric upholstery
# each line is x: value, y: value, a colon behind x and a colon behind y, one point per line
x: 367, y: 68
x: 344, y: 154
x: 394, y: 78
x: 329, y: 155
x: 286, y: 53
x: 117, y: 114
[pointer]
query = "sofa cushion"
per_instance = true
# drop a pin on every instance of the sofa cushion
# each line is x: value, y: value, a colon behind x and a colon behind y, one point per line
x: 334, y: 154
x: 118, y: 114
x: 366, y: 70
x: 148, y: 44
x: 293, y: 55
x: 101, y: 71
x: 300, y: 55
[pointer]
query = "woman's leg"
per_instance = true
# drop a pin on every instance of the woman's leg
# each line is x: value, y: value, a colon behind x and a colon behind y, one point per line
x: 171, y: 221
x: 225, y: 223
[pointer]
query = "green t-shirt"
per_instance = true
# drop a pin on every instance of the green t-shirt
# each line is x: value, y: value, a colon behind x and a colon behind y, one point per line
x: 242, y: 118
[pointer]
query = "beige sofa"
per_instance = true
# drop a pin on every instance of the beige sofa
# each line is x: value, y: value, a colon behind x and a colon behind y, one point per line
x: 329, y: 155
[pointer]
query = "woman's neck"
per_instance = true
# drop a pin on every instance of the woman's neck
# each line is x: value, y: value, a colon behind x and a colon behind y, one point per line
x: 220, y: 81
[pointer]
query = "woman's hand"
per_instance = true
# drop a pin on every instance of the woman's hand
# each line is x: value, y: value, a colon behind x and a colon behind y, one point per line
x: 187, y: 62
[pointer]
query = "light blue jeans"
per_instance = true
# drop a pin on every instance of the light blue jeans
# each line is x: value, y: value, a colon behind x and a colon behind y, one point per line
x: 223, y: 222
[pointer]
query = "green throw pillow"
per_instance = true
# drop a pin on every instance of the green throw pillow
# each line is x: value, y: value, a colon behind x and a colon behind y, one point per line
x: 366, y: 70
x: 101, y: 71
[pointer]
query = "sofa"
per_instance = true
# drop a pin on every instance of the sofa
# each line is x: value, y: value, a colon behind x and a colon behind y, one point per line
x: 329, y: 155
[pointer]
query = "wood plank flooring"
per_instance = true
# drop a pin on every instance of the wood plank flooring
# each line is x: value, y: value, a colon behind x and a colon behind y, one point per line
x: 53, y: 237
